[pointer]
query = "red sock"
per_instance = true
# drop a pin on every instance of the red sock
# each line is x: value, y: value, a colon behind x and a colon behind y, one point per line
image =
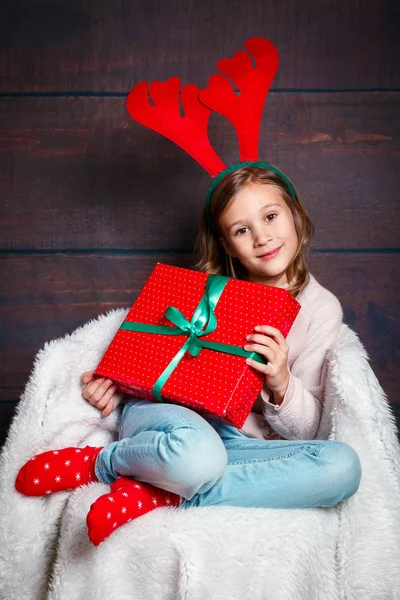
x: 57, y: 470
x: 127, y: 500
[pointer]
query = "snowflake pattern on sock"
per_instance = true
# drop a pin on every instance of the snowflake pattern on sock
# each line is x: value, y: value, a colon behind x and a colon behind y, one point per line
x: 57, y: 470
x: 127, y: 500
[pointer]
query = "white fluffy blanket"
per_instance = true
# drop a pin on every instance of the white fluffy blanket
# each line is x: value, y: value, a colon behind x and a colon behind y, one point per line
x: 348, y: 552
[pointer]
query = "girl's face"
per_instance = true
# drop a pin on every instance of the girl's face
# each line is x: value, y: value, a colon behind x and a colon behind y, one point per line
x: 256, y: 222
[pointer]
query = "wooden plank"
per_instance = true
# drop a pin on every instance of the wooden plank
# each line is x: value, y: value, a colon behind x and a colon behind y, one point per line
x: 78, y: 173
x: 103, y: 46
x: 74, y: 289
x: 7, y: 411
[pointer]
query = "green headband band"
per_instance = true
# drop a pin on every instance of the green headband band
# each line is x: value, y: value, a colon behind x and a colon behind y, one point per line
x: 260, y: 164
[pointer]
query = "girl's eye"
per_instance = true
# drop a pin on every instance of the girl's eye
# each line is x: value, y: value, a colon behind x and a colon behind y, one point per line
x: 243, y: 229
x: 239, y: 230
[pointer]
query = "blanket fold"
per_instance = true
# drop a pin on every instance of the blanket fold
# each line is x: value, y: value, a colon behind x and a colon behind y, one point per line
x: 347, y: 552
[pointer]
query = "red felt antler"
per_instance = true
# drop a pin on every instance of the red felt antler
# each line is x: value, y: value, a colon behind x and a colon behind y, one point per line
x: 189, y: 131
x: 244, y: 111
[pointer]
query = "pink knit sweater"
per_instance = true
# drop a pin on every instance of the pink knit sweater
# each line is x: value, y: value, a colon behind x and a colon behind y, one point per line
x: 314, y: 331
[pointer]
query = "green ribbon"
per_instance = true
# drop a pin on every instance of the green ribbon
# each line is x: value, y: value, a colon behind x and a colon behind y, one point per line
x: 203, y: 322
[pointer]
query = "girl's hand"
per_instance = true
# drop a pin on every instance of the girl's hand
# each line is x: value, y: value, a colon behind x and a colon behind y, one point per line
x: 100, y: 392
x: 270, y: 343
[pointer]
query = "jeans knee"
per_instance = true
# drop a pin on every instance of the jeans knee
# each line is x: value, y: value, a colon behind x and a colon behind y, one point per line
x: 197, y: 460
x: 344, y: 469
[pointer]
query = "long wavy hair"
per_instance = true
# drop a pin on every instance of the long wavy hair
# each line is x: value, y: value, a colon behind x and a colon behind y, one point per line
x: 209, y: 253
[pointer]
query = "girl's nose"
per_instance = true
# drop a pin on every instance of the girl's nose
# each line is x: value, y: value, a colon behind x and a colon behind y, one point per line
x: 261, y: 237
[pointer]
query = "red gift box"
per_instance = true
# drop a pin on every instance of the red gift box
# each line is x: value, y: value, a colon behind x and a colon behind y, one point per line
x: 186, y: 371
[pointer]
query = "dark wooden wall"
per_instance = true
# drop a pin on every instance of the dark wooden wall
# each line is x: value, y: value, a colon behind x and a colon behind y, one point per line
x: 91, y: 200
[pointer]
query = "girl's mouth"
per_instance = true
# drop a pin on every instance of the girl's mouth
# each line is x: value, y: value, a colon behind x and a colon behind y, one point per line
x: 270, y: 254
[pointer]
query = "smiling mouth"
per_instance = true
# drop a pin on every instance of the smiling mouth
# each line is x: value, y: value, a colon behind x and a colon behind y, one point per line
x: 270, y: 254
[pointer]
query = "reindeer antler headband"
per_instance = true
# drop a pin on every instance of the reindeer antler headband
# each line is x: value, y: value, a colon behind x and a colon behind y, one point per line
x: 244, y: 111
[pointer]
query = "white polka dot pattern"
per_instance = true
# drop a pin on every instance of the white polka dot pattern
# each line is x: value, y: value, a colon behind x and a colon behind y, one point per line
x: 217, y: 383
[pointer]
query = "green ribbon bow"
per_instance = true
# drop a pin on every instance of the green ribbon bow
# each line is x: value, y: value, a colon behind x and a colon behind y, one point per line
x: 203, y: 322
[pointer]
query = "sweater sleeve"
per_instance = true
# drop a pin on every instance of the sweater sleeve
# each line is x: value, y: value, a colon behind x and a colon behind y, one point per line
x: 299, y: 415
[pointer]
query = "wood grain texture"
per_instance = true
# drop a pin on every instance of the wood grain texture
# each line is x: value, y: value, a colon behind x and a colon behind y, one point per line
x: 49, y: 296
x: 78, y: 173
x: 91, y: 200
x: 7, y: 411
x: 98, y: 45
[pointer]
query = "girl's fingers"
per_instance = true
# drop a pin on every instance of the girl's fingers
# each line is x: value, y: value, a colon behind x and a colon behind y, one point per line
x: 264, y: 340
x: 104, y: 391
x: 108, y: 408
x: 112, y: 403
x: 96, y: 389
x: 263, y: 350
x: 87, y: 376
x: 258, y: 366
x: 271, y: 331
x: 103, y: 401
x: 90, y: 388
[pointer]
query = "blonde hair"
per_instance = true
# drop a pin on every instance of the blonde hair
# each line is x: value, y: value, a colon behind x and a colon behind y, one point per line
x: 211, y: 256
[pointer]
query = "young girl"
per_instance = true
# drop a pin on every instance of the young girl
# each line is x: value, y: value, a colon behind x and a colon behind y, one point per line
x: 258, y: 229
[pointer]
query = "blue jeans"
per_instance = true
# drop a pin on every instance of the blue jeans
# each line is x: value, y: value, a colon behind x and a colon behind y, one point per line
x: 209, y: 463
